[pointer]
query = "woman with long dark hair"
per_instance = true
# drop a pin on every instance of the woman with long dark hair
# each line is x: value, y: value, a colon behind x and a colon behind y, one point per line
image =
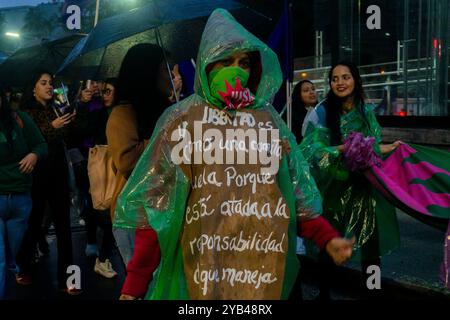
x: 21, y: 147
x: 144, y: 91
x: 50, y: 181
x: 304, y: 98
x: 350, y: 203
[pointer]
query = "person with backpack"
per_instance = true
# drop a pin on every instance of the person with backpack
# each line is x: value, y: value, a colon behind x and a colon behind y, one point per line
x: 92, y: 180
x: 22, y: 146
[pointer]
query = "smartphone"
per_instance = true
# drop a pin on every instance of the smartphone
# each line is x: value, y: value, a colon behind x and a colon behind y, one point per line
x: 62, y: 104
x: 85, y: 84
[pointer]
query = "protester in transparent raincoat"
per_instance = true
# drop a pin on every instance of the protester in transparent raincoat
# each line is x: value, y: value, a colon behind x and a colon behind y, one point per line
x: 223, y: 184
x: 350, y: 202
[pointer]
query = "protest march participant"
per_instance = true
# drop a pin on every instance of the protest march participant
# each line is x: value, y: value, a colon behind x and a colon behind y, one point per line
x: 222, y: 190
x: 351, y: 204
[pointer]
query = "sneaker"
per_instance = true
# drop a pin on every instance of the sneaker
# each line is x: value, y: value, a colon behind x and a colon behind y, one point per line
x: 104, y: 268
x: 91, y: 250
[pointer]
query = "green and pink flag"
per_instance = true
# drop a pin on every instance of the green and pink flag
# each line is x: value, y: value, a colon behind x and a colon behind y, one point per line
x: 416, y: 179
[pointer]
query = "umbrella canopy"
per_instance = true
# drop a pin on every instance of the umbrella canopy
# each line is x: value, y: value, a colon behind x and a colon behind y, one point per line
x: 19, y: 67
x: 179, y: 23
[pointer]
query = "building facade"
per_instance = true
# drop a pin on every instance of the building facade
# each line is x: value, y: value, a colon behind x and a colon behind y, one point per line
x: 401, y: 48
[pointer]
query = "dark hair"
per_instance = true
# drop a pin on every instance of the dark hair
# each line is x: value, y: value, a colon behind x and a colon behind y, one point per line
x: 138, y: 85
x: 7, y: 119
x: 255, y: 71
x: 333, y: 104
x: 28, y: 100
x: 298, y: 109
x: 113, y: 82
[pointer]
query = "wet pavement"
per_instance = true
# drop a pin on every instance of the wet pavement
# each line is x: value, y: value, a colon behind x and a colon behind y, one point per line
x: 410, y: 272
x: 94, y: 286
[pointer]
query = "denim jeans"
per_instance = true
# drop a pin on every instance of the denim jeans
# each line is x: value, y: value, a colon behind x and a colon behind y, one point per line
x: 125, y: 242
x: 14, y: 212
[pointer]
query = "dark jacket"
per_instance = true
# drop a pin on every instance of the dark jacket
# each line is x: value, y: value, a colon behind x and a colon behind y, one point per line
x: 26, y: 138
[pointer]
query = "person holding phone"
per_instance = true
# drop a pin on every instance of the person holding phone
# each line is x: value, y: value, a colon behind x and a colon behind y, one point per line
x: 51, y: 182
x: 89, y: 99
x: 61, y: 101
x: 90, y: 95
x: 87, y: 102
x: 93, y: 125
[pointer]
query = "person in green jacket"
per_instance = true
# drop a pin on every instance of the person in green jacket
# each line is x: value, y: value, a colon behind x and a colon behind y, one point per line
x: 350, y: 203
x: 21, y: 147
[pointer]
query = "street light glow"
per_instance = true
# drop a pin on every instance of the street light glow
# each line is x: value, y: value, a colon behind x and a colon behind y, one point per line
x: 12, y: 34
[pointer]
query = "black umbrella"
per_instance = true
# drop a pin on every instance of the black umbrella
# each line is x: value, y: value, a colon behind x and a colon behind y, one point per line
x: 176, y: 25
x: 20, y: 66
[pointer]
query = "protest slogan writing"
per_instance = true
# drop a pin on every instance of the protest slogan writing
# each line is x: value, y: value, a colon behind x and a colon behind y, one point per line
x: 235, y: 235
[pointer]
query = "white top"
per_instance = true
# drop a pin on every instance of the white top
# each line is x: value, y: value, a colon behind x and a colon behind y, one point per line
x: 311, y: 116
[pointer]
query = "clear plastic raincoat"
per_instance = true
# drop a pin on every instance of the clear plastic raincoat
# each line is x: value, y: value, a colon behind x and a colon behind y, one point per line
x: 350, y: 202
x: 226, y: 229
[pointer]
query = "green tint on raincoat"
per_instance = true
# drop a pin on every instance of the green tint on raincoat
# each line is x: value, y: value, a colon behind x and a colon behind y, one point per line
x: 350, y: 203
x: 158, y: 190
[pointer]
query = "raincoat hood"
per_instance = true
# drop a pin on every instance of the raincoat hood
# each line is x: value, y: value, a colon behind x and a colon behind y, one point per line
x: 224, y: 36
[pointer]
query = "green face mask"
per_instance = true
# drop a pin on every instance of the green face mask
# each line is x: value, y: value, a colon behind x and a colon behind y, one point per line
x: 227, y: 87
